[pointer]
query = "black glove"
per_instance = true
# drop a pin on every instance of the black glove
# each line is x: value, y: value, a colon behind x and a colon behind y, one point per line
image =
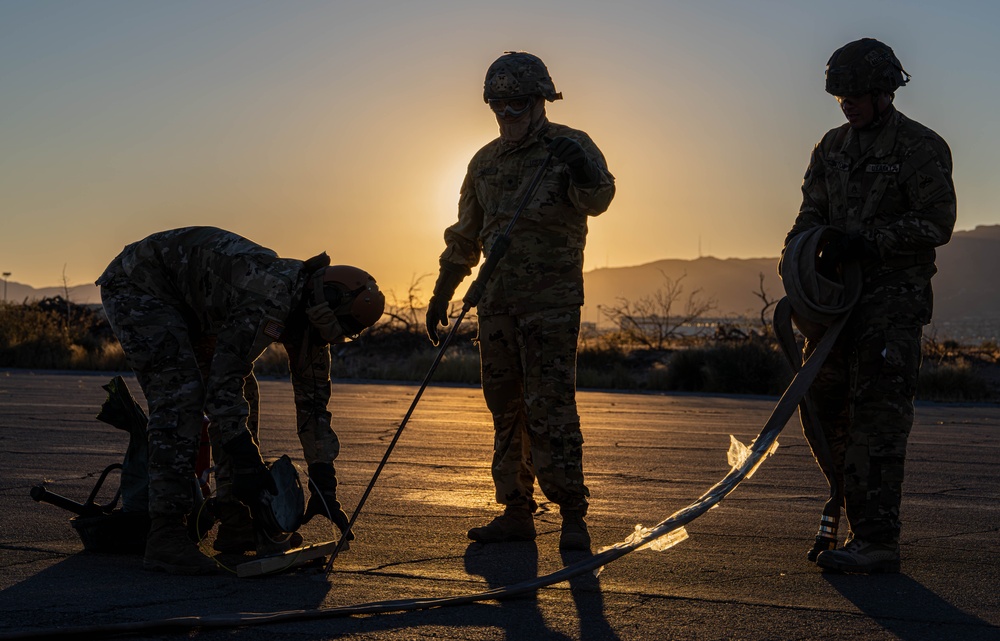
x: 250, y: 475
x: 449, y: 278
x: 582, y: 169
x: 849, y: 247
x: 323, y: 497
x: 437, y: 314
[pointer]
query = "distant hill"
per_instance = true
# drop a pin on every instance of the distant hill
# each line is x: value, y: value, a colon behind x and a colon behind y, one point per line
x: 80, y: 294
x: 966, y: 283
x: 965, y: 288
x: 731, y: 282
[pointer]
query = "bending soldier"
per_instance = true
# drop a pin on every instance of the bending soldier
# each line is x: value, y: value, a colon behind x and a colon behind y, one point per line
x: 193, y: 308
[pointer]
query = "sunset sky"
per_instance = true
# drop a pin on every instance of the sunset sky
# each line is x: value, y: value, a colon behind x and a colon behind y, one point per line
x: 347, y: 126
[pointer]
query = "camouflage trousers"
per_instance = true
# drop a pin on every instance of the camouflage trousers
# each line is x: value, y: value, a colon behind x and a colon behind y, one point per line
x: 529, y: 382
x: 170, y: 365
x: 863, y: 398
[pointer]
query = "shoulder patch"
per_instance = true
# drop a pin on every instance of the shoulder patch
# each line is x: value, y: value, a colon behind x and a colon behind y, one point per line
x: 487, y: 171
x: 273, y: 329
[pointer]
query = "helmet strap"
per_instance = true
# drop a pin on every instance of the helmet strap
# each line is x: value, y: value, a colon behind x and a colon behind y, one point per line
x: 316, y: 289
x: 325, y: 321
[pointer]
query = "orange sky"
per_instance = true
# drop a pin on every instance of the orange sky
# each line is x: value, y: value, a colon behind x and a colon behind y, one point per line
x: 346, y: 127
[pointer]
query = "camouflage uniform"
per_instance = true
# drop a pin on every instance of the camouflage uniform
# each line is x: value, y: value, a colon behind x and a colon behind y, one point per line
x: 529, y: 315
x: 193, y: 308
x: 899, y: 194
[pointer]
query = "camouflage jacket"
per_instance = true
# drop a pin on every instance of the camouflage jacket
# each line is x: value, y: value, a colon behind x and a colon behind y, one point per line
x: 898, y: 194
x: 241, y: 294
x: 543, y: 268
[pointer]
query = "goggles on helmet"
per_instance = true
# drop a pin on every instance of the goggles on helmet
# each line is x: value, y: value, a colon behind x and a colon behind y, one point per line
x: 510, y: 107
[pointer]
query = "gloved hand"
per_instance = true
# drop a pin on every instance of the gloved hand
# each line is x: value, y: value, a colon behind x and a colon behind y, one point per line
x: 449, y: 277
x: 250, y: 475
x: 849, y: 247
x: 248, y: 486
x: 582, y: 169
x: 437, y: 313
x: 323, y: 497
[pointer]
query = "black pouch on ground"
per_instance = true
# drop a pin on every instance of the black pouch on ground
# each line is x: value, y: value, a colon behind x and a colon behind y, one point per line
x: 122, y: 411
x: 123, y: 530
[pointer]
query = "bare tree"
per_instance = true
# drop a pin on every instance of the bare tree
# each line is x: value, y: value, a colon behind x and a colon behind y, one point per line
x: 65, y: 283
x: 405, y: 315
x: 656, y: 320
x: 767, y: 303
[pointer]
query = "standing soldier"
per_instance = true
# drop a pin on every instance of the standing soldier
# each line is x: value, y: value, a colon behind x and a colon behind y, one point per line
x: 193, y: 308
x: 885, y: 182
x: 529, y: 315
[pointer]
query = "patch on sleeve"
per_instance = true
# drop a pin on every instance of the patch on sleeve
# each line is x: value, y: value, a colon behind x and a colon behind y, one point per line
x: 273, y: 329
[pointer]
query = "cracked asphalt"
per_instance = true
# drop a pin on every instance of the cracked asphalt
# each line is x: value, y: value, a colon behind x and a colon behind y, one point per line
x: 742, y: 574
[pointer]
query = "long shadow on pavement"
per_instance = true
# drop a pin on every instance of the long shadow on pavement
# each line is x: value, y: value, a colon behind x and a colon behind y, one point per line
x: 507, y: 564
x: 589, y: 600
x: 520, y: 617
x: 909, y: 610
x: 90, y: 588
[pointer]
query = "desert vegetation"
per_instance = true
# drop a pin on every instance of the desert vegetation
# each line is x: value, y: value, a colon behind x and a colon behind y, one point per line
x: 667, y: 342
x: 54, y: 333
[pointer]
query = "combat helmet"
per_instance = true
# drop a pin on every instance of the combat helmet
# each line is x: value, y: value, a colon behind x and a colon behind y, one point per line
x: 516, y: 74
x: 351, y: 293
x: 864, y: 66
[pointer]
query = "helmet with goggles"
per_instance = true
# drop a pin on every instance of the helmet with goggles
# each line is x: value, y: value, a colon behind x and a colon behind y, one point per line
x: 352, y: 296
x: 515, y: 78
x: 864, y: 66
x: 511, y: 107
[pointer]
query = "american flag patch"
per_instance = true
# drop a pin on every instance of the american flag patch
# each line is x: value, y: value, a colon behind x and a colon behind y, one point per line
x: 273, y: 329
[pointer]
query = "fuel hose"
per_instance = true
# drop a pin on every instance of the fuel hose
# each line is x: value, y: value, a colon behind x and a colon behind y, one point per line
x: 760, y: 448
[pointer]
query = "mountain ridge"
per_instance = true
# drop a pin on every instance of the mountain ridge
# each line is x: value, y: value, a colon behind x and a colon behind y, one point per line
x: 964, y: 288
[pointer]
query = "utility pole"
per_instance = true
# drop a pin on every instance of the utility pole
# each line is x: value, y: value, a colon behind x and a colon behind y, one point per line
x: 6, y: 275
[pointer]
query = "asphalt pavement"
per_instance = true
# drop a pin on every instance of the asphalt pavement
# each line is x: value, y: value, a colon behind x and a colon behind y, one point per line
x: 741, y: 574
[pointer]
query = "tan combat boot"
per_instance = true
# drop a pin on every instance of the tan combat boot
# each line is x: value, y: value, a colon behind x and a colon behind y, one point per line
x: 169, y: 549
x: 515, y: 524
x: 574, y: 534
x: 861, y: 557
x: 235, y: 534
